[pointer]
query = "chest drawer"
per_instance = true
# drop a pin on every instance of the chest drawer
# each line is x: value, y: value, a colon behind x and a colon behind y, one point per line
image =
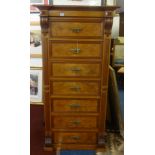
x: 74, y: 138
x: 74, y: 29
x: 75, y: 69
x: 75, y: 88
x: 74, y: 122
x: 70, y: 105
x: 75, y: 49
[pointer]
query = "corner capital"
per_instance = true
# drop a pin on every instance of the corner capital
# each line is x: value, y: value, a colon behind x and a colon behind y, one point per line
x: 108, y: 25
x: 44, y: 24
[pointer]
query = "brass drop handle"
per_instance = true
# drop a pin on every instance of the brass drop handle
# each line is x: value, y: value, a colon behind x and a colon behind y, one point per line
x: 76, y: 30
x: 74, y: 105
x: 75, y: 50
x: 75, y: 88
x: 76, y: 122
x: 75, y: 69
x: 75, y: 137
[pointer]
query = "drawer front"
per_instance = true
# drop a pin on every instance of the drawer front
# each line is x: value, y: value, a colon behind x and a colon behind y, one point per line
x: 80, y: 49
x: 64, y: 105
x: 75, y: 88
x: 73, y: 122
x: 73, y: 29
x: 75, y: 69
x: 75, y: 138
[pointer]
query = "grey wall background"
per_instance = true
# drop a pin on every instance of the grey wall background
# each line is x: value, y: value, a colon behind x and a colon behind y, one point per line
x: 121, y: 4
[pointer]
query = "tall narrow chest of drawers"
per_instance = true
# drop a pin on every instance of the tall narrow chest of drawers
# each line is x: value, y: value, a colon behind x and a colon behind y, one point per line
x: 76, y: 44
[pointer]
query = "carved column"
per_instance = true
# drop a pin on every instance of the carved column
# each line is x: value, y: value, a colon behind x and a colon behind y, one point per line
x: 44, y: 22
x: 105, y: 68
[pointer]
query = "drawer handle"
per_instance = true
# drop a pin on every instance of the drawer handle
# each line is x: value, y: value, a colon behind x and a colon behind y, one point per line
x: 75, y: 69
x: 75, y: 137
x: 76, y: 88
x: 74, y: 105
x: 76, y: 122
x: 75, y: 50
x: 76, y: 30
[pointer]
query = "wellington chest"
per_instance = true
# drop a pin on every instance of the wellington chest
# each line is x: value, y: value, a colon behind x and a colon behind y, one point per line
x: 76, y: 45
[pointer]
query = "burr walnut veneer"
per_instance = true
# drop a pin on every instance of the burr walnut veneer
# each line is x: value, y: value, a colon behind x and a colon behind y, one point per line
x: 76, y: 45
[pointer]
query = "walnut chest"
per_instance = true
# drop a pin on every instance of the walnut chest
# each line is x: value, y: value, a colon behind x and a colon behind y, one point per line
x: 76, y: 44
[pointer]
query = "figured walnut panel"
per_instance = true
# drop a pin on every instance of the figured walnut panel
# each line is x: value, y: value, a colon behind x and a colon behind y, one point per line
x: 75, y: 88
x: 71, y: 105
x: 68, y: 49
x: 75, y: 69
x: 61, y: 13
x: 59, y: 29
x: 75, y: 138
x: 74, y: 122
